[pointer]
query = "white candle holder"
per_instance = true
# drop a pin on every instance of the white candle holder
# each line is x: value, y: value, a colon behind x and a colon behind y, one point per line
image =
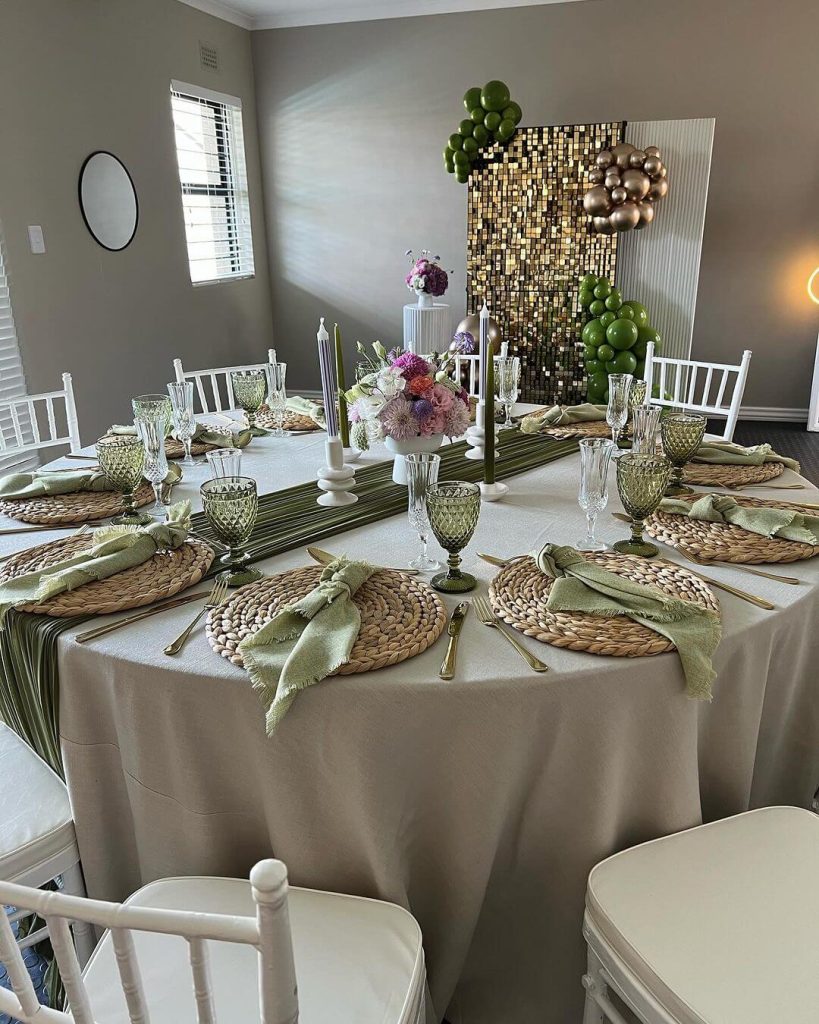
x: 492, y: 492
x: 336, y: 478
x: 351, y: 455
x: 476, y: 434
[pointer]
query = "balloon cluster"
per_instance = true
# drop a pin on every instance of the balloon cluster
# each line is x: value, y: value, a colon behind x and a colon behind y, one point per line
x: 615, y: 340
x: 626, y: 183
x: 492, y: 117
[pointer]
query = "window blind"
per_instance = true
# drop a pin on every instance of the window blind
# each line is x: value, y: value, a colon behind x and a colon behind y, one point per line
x: 210, y: 150
x: 12, y: 378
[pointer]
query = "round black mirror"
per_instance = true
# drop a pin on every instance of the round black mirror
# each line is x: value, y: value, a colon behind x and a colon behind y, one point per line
x: 108, y: 201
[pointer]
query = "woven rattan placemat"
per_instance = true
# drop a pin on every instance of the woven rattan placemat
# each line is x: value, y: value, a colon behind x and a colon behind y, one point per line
x: 79, y: 507
x: 723, y: 542
x: 520, y: 591
x: 706, y: 475
x: 597, y: 428
x: 293, y: 421
x: 400, y: 616
x: 165, y: 574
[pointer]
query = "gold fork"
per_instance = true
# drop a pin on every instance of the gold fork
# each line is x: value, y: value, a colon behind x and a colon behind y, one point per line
x: 488, y: 618
x: 217, y: 596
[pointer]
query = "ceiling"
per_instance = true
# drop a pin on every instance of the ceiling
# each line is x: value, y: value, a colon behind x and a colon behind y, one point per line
x: 257, y: 14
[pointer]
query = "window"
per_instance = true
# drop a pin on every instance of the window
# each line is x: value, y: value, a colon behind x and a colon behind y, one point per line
x: 12, y: 380
x: 210, y: 150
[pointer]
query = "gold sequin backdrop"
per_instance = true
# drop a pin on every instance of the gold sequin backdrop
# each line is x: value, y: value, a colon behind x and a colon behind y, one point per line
x: 528, y: 242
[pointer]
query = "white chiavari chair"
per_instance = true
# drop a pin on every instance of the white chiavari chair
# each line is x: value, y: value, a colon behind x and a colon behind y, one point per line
x: 255, y: 953
x: 37, y: 839
x: 213, y: 388
x: 471, y: 363
x: 713, y: 389
x: 34, y: 422
x: 719, y: 923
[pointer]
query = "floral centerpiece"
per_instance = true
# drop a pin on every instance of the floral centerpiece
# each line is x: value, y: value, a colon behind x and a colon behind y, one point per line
x: 426, y: 277
x: 408, y: 402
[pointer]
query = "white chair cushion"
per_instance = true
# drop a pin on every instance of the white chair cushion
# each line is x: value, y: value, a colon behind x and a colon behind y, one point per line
x: 35, y: 814
x: 720, y: 923
x: 358, y: 961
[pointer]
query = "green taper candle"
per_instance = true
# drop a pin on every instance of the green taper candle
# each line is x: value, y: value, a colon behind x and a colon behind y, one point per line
x: 489, y: 421
x: 343, y: 423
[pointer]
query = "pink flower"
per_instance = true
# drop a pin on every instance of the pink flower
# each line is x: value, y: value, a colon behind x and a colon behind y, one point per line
x: 398, y: 421
x: 412, y: 365
x: 441, y: 397
x: 456, y: 420
x: 434, y: 424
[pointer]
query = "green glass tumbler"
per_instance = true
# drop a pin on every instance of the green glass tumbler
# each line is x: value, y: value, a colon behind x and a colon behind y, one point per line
x: 249, y: 390
x: 122, y: 459
x: 641, y: 483
x: 231, y: 505
x: 682, y: 434
x: 453, y: 510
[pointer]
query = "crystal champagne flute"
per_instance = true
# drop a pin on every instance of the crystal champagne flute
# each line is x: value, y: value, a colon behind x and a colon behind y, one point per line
x: 507, y: 377
x: 277, y: 395
x: 155, y: 469
x: 617, y: 411
x: 595, y: 454
x: 422, y: 476
x: 184, y: 421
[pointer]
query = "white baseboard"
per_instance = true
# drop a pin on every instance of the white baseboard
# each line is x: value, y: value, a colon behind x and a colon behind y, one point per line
x: 773, y: 412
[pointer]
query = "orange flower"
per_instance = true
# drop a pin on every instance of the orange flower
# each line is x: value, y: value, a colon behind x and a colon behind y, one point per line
x: 420, y: 385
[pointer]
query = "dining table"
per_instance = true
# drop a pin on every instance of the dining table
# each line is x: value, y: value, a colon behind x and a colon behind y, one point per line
x: 481, y: 803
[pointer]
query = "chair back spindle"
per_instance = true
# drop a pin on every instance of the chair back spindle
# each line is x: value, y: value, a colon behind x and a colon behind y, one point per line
x: 32, y: 420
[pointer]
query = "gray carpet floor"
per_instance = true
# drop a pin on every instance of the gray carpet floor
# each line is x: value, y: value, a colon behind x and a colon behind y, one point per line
x: 786, y: 438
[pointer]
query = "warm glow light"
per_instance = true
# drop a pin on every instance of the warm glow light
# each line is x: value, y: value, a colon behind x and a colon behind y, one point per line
x: 813, y: 286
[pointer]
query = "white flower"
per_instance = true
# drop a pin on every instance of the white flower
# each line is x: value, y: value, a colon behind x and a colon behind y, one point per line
x: 390, y: 382
x: 369, y: 406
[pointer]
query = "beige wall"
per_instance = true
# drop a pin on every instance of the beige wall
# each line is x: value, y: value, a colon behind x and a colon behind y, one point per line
x: 80, y: 75
x: 353, y: 119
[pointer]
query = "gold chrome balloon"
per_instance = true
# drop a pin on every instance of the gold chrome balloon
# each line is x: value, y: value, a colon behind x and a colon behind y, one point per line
x: 636, y: 158
x: 604, y: 158
x: 597, y: 175
x: 652, y: 151
x: 597, y: 201
x: 625, y: 217
x: 658, y: 189
x: 603, y: 226
x: 636, y: 184
x: 652, y: 165
x: 622, y: 154
x: 619, y: 195
x: 646, y: 211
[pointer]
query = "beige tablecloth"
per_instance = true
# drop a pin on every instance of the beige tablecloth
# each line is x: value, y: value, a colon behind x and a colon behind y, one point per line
x: 479, y: 804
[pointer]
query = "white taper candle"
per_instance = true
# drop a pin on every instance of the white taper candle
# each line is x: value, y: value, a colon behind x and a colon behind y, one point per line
x: 483, y: 350
x: 327, y: 380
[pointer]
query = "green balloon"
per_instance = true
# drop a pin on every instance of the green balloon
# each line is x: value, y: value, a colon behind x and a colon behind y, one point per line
x: 640, y: 369
x: 646, y: 334
x: 506, y: 129
x: 462, y: 175
x: 448, y: 153
x: 450, y: 167
x: 456, y: 141
x: 602, y: 289
x: 594, y: 333
x: 599, y: 381
x: 588, y: 282
x: 625, y: 312
x: 638, y: 308
x: 625, y: 362
x: 589, y: 352
x: 593, y: 365
x: 611, y: 366
x: 491, y: 121
x: 604, y: 353
x: 460, y: 158
x: 607, y: 318
x: 495, y: 96
x: 472, y: 97
x: 621, y: 334
x: 480, y: 134
x: 465, y: 127
x: 597, y: 308
x: 639, y: 348
x: 586, y: 297
x: 513, y: 112
x: 470, y: 147
x: 614, y: 301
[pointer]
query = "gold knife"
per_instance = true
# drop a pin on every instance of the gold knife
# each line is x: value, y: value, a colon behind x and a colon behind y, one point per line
x: 456, y: 622
x: 155, y: 609
x: 325, y: 557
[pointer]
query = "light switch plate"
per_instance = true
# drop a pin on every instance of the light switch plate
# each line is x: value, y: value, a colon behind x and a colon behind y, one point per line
x: 36, y: 239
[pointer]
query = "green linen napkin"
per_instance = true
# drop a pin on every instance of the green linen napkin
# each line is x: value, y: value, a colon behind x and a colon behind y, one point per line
x: 561, y: 416
x: 767, y: 522
x: 304, y: 407
x: 723, y: 453
x: 44, y: 482
x: 582, y: 586
x: 112, y: 549
x: 306, y: 641
x: 205, y: 433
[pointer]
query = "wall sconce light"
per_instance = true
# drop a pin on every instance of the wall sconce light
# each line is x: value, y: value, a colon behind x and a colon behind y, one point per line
x: 813, y: 412
x: 813, y: 286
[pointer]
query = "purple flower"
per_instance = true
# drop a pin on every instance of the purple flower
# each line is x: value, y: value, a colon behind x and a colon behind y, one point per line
x: 398, y: 421
x: 411, y: 365
x: 465, y: 343
x: 393, y: 354
x: 422, y: 409
x: 437, y: 280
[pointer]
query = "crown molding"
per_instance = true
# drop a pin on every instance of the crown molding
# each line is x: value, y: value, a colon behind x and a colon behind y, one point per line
x: 316, y: 12
x: 223, y: 11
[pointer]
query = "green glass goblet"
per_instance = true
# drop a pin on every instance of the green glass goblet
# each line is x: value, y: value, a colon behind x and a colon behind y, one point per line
x: 122, y: 460
x: 155, y: 409
x: 231, y: 504
x: 682, y: 434
x: 249, y: 390
x: 453, y: 510
x: 641, y: 483
x: 636, y: 394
